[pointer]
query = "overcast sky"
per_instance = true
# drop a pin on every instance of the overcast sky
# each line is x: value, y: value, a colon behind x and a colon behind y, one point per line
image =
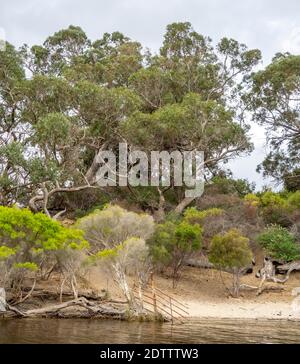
x: 270, y: 25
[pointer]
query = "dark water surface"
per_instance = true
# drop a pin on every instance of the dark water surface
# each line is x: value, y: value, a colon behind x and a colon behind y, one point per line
x: 110, y: 332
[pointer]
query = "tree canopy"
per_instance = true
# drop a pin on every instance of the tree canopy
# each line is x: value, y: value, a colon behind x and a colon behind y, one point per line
x: 64, y: 101
x: 275, y: 100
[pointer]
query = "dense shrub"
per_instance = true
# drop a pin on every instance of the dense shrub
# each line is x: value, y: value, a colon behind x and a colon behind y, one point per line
x: 30, y: 241
x: 279, y: 243
x: 173, y: 242
x: 117, y: 238
x: 231, y: 251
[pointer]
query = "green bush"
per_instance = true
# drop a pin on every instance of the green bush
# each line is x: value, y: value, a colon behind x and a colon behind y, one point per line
x: 271, y: 198
x: 195, y: 216
x: 279, y: 243
x: 31, y: 233
x: 28, y: 240
x: 294, y: 200
x: 173, y: 242
x: 231, y: 251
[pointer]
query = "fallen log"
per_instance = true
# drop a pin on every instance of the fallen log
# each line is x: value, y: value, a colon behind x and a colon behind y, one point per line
x: 47, y: 294
x: 268, y: 289
x: 92, y: 308
x: 205, y: 264
x: 289, y: 267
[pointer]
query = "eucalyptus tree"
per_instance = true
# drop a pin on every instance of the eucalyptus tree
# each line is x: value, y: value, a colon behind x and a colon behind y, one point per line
x: 13, y: 166
x: 275, y: 99
x: 191, y: 97
x: 65, y: 101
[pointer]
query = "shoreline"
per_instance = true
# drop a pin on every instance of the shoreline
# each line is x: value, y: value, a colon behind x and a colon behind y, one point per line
x: 198, y: 310
x: 242, y: 310
x: 201, y: 290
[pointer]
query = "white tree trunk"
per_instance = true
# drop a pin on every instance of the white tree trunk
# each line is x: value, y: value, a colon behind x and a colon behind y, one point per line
x: 236, y: 283
x: 122, y: 281
x: 2, y: 300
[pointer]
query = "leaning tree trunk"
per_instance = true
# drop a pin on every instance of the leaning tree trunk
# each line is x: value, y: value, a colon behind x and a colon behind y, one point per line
x: 2, y: 300
x: 120, y: 278
x: 267, y: 274
x: 183, y: 204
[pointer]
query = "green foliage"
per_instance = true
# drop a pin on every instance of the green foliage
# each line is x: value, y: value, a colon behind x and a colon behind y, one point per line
x: 193, y: 120
x: 22, y: 227
x: 270, y: 198
x: 27, y: 266
x: 68, y: 97
x: 130, y: 252
x: 274, y: 98
x: 27, y: 236
x: 52, y: 129
x: 293, y: 200
x: 279, y: 243
x: 30, y: 242
x: 230, y: 250
x: 195, y: 216
x: 252, y: 199
x: 172, y: 242
x: 108, y: 253
x: 6, y: 252
x: 292, y: 180
x: 107, y: 228
x: 241, y: 187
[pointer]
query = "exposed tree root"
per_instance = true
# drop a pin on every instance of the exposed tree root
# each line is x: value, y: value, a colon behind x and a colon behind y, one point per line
x: 93, y: 309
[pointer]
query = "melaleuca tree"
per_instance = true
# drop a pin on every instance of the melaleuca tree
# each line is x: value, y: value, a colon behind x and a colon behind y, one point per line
x: 6, y: 257
x: 274, y: 97
x: 117, y: 240
x: 64, y: 142
x: 129, y: 258
x: 173, y: 242
x: 231, y: 251
x: 32, y: 242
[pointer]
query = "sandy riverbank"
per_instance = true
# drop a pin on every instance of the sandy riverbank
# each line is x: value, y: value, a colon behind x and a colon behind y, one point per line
x: 206, y: 296
x: 243, y: 310
x: 203, y: 291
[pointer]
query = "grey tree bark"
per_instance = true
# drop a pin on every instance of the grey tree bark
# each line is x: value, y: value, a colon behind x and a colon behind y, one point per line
x: 2, y: 300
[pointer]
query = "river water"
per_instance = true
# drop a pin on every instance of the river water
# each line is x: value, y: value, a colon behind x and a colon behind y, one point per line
x: 110, y: 332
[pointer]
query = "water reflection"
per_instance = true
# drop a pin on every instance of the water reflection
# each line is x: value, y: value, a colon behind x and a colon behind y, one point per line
x: 109, y: 332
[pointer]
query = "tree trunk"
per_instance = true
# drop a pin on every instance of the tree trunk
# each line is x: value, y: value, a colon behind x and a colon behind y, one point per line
x: 2, y: 300
x: 92, y: 171
x: 160, y: 214
x: 183, y: 204
x: 120, y: 278
x: 236, y: 284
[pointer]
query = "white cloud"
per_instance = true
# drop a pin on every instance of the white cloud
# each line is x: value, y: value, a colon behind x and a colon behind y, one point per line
x: 291, y: 42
